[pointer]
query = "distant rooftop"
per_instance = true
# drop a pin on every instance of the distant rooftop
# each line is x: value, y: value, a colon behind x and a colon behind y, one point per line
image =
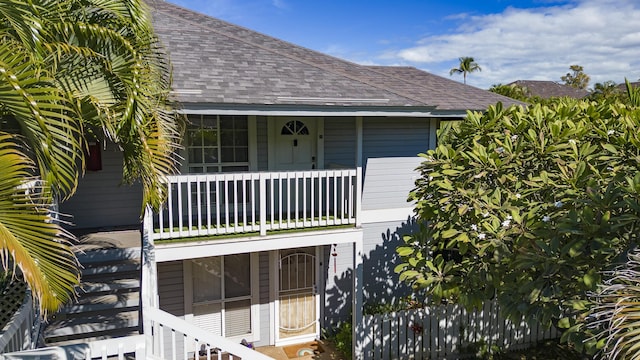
x: 548, y: 89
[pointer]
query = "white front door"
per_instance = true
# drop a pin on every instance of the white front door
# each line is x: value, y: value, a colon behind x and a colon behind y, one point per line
x: 297, y: 298
x: 295, y: 144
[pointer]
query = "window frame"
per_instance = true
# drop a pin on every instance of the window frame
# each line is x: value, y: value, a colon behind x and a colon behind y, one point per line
x: 196, y: 122
x: 253, y: 297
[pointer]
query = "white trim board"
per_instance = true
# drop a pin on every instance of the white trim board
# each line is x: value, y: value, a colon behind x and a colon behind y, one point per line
x: 364, y: 113
x: 386, y: 215
x: 206, y: 248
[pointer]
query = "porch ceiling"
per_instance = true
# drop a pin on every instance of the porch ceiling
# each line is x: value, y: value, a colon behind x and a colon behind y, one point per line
x: 210, y: 247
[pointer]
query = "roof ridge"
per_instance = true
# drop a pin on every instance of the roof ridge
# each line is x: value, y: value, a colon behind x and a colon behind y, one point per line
x: 297, y: 58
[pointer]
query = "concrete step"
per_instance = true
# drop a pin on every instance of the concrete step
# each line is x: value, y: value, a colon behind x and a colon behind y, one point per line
x: 90, y: 325
x: 122, y: 301
x: 111, y: 267
x: 105, y: 286
x: 90, y: 339
x: 110, y: 254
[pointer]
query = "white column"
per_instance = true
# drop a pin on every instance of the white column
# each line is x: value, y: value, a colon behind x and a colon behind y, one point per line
x: 433, y: 133
x: 357, y: 328
x: 359, y: 162
x: 149, y: 280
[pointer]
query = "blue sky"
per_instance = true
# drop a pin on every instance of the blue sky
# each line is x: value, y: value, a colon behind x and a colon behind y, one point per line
x: 510, y: 40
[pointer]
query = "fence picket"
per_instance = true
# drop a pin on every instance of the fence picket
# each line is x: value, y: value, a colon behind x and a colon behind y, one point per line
x: 400, y: 349
x: 444, y: 331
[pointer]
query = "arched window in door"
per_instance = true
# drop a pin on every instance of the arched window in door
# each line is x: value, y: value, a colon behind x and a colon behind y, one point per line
x: 294, y: 127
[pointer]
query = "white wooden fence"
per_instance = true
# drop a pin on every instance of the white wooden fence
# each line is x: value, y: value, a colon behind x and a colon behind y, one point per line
x: 445, y: 332
x: 213, y: 204
x: 20, y: 332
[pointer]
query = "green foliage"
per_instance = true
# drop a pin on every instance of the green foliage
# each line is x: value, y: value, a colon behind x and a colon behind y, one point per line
x: 577, y: 78
x: 342, y: 339
x: 72, y: 71
x: 616, y: 318
x: 528, y: 205
x: 513, y: 91
x: 404, y: 303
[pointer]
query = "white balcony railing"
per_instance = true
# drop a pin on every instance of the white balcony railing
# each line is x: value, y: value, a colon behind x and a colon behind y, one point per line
x: 215, y: 204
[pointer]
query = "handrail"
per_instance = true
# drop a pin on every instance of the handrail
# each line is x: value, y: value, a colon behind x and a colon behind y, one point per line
x: 227, y: 203
x: 99, y: 349
x: 164, y: 324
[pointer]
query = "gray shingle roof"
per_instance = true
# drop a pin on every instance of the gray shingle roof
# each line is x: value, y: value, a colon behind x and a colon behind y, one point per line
x: 547, y: 89
x: 221, y: 63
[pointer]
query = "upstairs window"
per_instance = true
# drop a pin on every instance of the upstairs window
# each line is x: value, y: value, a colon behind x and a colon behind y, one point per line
x: 217, y: 143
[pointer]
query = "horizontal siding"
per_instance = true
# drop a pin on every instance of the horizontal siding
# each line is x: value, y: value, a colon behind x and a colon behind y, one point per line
x: 339, y: 142
x: 171, y: 287
x: 263, y: 143
x: 338, y: 286
x: 101, y: 201
x: 388, y: 181
x: 394, y: 137
x: 265, y: 287
x: 380, y: 240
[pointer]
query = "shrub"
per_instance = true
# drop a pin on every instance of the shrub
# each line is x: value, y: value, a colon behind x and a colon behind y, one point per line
x: 528, y: 205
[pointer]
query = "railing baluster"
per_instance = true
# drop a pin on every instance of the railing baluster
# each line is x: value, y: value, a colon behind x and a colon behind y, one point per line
x: 313, y: 198
x: 218, y: 197
x: 263, y: 204
x: 289, y: 189
x: 179, y: 204
x: 335, y: 198
x: 273, y: 199
x: 236, y: 203
x: 246, y: 202
x: 226, y: 203
x: 189, y: 207
x: 208, y: 190
x: 296, y: 214
x: 199, y: 200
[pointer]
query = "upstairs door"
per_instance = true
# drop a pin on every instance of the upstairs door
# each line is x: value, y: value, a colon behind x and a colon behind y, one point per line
x: 295, y: 144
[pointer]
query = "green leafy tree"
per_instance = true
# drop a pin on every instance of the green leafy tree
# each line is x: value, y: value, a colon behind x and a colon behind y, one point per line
x: 72, y: 70
x: 527, y: 205
x: 607, y: 91
x: 577, y: 78
x: 467, y: 65
x: 614, y: 319
x: 513, y: 91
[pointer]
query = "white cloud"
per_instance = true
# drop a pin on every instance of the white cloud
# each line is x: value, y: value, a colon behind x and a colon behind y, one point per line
x: 541, y: 43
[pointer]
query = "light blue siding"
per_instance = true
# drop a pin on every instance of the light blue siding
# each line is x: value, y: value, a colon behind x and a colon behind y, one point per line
x: 263, y: 143
x: 171, y: 287
x: 381, y: 284
x: 388, y: 182
x: 339, y: 142
x: 338, y: 273
x: 101, y: 201
x: 394, y: 137
x: 265, y: 309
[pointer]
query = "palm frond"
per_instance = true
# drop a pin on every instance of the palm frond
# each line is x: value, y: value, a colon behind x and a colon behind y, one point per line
x: 29, y: 232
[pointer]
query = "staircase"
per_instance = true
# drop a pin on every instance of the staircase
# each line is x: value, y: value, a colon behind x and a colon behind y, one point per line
x: 108, y: 299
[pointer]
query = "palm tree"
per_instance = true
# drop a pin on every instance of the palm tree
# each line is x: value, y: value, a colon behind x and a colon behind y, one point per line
x: 71, y: 70
x: 467, y: 65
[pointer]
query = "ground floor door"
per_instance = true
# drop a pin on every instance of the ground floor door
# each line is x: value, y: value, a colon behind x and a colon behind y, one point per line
x: 297, y: 296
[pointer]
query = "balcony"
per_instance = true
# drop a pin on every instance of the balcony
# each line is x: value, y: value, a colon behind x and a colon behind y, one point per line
x: 257, y: 202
